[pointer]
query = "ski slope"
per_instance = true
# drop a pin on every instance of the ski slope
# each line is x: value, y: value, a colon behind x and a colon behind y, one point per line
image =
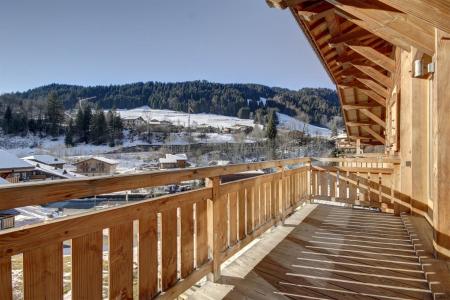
x: 290, y: 123
x: 181, y: 118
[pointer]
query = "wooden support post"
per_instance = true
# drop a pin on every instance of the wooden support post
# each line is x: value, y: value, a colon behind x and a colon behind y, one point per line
x: 441, y: 138
x: 213, y: 227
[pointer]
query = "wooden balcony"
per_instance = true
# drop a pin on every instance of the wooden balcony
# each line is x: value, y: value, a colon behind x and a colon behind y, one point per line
x: 162, y: 247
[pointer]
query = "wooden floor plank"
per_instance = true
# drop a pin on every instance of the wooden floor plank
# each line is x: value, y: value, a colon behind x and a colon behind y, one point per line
x: 355, y: 256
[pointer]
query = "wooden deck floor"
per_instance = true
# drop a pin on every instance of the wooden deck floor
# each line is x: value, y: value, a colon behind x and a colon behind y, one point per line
x: 334, y: 253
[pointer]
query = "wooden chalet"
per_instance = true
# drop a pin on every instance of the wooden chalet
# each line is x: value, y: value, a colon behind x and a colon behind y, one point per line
x: 367, y: 227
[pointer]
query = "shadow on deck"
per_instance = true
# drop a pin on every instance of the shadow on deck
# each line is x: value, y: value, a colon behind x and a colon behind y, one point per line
x: 326, y: 252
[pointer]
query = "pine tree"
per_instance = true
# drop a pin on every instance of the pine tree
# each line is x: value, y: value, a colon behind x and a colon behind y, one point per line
x: 7, y: 120
x: 271, y: 130
x: 55, y: 114
x: 68, y: 140
x: 99, y: 129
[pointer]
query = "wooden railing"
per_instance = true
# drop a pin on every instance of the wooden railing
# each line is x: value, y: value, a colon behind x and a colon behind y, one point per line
x: 153, y: 248
x: 160, y: 247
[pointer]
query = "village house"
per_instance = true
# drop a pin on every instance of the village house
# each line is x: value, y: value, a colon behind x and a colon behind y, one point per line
x: 12, y: 168
x: 173, y: 161
x: 133, y: 122
x: 47, y: 159
x: 47, y: 172
x: 95, y: 166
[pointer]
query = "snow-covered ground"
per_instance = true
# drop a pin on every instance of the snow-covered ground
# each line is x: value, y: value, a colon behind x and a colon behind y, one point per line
x: 181, y: 118
x: 290, y: 123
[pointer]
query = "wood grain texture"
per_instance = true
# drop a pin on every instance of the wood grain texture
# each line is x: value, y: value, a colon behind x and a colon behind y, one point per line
x: 121, y: 261
x: 5, y: 278
x: 21, y: 239
x: 148, y: 259
x: 50, y: 191
x: 169, y: 248
x: 250, y: 209
x: 233, y: 217
x: 187, y: 240
x: 241, y: 208
x: 43, y: 272
x: 87, y: 266
x: 202, y: 232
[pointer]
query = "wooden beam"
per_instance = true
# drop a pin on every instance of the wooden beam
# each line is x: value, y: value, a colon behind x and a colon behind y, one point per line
x: 374, y: 134
x: 356, y: 34
x: 357, y: 106
x: 434, y: 12
x: 374, y: 74
x: 380, y: 90
x: 373, y: 116
x: 315, y: 11
x: 374, y: 96
x: 358, y: 124
x: 284, y: 3
x: 397, y: 25
x: 373, y: 55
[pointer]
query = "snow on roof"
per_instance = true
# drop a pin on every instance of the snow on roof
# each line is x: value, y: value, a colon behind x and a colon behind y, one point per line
x: 9, y: 161
x: 99, y: 158
x: 46, y: 159
x: 51, y: 170
x: 173, y: 158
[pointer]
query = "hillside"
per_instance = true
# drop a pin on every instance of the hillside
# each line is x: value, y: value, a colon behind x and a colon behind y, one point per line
x: 315, y: 106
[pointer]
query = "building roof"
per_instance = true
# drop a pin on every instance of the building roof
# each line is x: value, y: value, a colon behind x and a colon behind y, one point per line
x: 9, y: 161
x: 52, y: 171
x: 173, y: 158
x: 46, y: 159
x: 9, y: 212
x: 99, y: 158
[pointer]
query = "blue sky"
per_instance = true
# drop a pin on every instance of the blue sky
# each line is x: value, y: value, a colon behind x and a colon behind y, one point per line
x: 111, y: 42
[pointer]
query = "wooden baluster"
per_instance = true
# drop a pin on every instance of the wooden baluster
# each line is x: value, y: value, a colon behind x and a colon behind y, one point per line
x: 148, y: 256
x: 187, y: 240
x: 274, y: 199
x: 5, y: 278
x: 256, y: 203
x: 87, y: 266
x: 217, y: 225
x: 233, y: 219
x: 43, y: 272
x: 202, y: 232
x: 250, y: 209
x: 169, y: 248
x: 268, y: 200
x: 241, y: 208
x: 352, y: 188
x: 121, y: 261
x: 332, y: 179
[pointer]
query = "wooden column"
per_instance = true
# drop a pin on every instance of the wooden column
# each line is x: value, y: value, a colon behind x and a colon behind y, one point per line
x: 213, y: 227
x: 441, y: 138
x: 419, y: 142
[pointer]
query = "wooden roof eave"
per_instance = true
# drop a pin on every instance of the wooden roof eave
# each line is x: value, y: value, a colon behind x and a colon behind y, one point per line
x: 304, y: 28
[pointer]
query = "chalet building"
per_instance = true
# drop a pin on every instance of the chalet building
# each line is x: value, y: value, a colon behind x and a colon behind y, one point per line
x: 173, y: 161
x: 133, y: 122
x: 48, y: 160
x: 96, y: 166
x: 12, y: 168
x: 357, y: 227
x: 42, y: 171
x: 7, y: 218
x: 390, y: 61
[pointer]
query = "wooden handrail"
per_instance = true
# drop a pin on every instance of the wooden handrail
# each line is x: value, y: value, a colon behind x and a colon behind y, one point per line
x: 241, y: 210
x: 19, y: 195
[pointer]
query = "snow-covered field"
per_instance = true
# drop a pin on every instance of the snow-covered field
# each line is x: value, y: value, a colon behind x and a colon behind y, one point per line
x: 290, y: 123
x: 181, y: 118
